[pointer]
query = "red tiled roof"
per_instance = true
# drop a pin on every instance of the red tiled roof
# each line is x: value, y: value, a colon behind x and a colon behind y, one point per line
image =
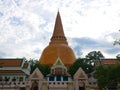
x: 10, y: 62
x: 108, y: 61
x: 11, y: 71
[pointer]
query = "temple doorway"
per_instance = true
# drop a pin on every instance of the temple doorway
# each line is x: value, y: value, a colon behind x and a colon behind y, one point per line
x: 34, y: 86
x: 81, y: 88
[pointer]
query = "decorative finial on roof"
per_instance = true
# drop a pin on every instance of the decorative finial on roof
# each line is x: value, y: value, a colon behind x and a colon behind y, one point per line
x: 59, y: 55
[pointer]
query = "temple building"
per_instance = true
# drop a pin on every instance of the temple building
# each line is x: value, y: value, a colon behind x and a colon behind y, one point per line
x: 58, y: 72
x: 59, y: 56
x: 15, y: 73
x: 58, y: 45
x: 59, y: 79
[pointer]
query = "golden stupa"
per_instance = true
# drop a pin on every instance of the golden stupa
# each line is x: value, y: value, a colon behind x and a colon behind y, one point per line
x: 58, y: 47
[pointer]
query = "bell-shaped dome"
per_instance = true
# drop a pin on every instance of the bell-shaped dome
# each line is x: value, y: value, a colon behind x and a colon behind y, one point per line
x: 58, y: 46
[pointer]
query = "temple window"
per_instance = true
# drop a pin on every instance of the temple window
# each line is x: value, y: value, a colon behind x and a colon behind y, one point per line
x: 7, y: 79
x: 51, y: 78
x: 89, y: 82
x: 1, y: 79
x: 26, y: 78
x: 58, y: 78
x: 65, y: 78
x: 14, y: 79
x: 21, y: 79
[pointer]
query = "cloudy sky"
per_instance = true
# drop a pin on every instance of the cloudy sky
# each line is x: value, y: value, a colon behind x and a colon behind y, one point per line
x: 89, y: 25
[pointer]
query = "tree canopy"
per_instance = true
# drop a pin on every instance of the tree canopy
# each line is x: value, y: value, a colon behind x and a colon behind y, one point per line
x: 94, y: 56
x: 108, y: 76
x: 80, y: 62
x: 118, y: 57
x: 45, y: 70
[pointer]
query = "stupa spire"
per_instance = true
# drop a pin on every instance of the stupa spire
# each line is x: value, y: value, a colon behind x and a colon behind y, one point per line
x: 58, y: 36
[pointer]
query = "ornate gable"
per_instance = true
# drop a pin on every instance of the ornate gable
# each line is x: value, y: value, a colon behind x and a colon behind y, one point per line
x: 58, y: 68
x: 36, y: 74
x: 58, y: 62
x: 80, y: 74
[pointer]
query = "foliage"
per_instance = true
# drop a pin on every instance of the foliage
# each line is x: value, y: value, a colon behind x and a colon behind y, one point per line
x: 108, y: 75
x: 80, y: 62
x: 117, y: 41
x: 94, y: 56
x: 45, y: 70
x: 118, y: 57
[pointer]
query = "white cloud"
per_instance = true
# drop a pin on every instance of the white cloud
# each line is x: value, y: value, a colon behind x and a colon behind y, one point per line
x: 25, y: 25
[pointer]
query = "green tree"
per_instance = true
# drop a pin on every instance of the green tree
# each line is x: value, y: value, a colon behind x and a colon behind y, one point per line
x: 80, y: 62
x: 108, y: 76
x: 94, y: 56
x: 118, y: 57
x: 117, y: 42
x: 45, y: 70
x: 101, y: 74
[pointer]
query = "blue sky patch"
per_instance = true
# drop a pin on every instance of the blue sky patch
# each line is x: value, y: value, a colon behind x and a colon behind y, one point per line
x: 36, y: 51
x: 78, y: 50
x: 2, y: 54
x: 1, y: 14
x: 113, y: 50
x: 15, y: 20
x: 85, y: 41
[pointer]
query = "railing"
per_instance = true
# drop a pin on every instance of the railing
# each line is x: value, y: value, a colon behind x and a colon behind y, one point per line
x: 15, y: 84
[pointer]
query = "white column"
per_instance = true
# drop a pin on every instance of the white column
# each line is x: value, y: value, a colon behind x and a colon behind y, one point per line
x: 61, y: 78
x: 55, y: 78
